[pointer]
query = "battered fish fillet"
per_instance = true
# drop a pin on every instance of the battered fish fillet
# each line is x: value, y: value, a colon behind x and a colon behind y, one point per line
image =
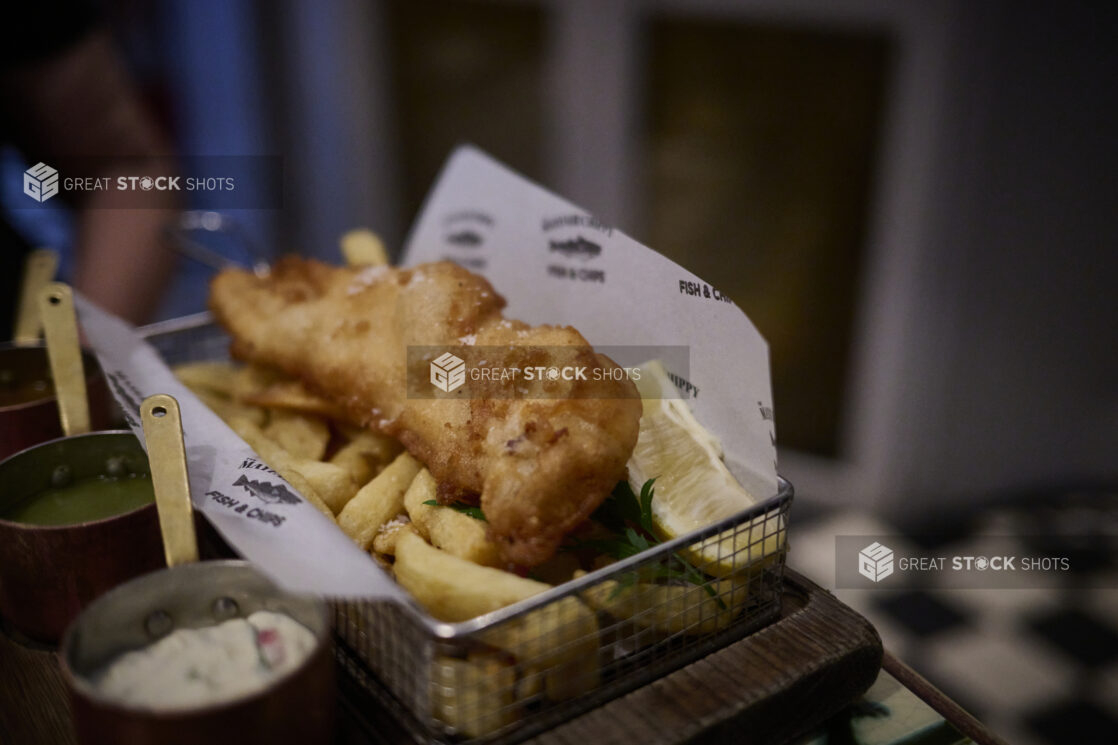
x: 540, y: 464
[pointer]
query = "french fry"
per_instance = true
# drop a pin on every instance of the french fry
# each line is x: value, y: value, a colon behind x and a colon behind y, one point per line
x: 363, y: 247
x: 366, y: 454
x: 280, y: 460
x: 530, y: 684
x: 251, y: 379
x: 292, y: 395
x: 302, y: 435
x: 384, y: 542
x: 379, y: 501
x: 445, y: 527
x: 332, y: 483
x: 452, y: 588
x: 576, y: 675
x: 216, y: 377
x: 560, y: 638
x: 557, y: 647
x: 228, y: 409
x: 671, y: 609
x: 476, y: 696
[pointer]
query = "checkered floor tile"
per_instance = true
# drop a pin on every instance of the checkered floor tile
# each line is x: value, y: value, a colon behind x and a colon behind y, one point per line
x: 1077, y: 634
x: 1037, y: 666
x: 922, y: 613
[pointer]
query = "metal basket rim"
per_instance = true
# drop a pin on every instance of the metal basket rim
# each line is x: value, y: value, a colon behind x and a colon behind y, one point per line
x: 173, y: 325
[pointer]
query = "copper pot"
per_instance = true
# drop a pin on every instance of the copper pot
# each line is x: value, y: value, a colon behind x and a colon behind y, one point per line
x: 49, y: 573
x: 28, y: 407
x: 297, y: 708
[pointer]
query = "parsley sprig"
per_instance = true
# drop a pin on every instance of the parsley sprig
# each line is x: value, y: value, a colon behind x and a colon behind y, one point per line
x: 465, y: 509
x: 628, y: 517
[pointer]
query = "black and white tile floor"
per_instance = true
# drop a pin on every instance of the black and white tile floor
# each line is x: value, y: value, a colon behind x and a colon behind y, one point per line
x: 1037, y: 666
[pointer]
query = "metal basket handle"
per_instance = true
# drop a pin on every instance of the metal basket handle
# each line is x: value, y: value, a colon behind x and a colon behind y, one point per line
x: 190, y: 222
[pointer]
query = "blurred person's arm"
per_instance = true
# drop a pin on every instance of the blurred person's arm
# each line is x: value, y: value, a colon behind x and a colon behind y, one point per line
x: 80, y: 103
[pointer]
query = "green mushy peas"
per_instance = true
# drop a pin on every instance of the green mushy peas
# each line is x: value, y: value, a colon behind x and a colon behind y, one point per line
x: 84, y: 500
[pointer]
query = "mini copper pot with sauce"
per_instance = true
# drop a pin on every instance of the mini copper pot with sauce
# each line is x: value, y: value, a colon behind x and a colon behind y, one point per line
x: 296, y: 708
x: 48, y: 573
x: 297, y: 705
x: 28, y: 406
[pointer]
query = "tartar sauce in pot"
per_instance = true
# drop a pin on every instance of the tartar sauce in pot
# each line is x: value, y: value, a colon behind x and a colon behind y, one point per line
x: 191, y: 668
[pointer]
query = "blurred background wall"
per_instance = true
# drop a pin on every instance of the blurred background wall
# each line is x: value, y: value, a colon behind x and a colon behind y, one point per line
x: 913, y: 201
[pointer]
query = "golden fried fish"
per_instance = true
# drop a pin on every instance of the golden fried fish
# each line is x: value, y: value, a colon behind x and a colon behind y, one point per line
x: 542, y: 462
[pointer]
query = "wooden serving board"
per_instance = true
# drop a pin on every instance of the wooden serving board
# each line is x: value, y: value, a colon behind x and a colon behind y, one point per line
x: 769, y: 687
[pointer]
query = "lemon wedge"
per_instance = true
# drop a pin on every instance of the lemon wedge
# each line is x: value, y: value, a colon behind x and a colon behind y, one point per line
x: 693, y: 487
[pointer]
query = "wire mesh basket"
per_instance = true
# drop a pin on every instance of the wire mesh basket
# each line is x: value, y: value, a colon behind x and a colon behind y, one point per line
x: 509, y: 674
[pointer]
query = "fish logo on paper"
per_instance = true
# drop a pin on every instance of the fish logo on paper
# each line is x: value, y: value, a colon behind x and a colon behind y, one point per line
x: 578, y: 246
x: 267, y: 491
x: 40, y: 182
x: 448, y: 372
x: 875, y: 562
x: 467, y: 238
